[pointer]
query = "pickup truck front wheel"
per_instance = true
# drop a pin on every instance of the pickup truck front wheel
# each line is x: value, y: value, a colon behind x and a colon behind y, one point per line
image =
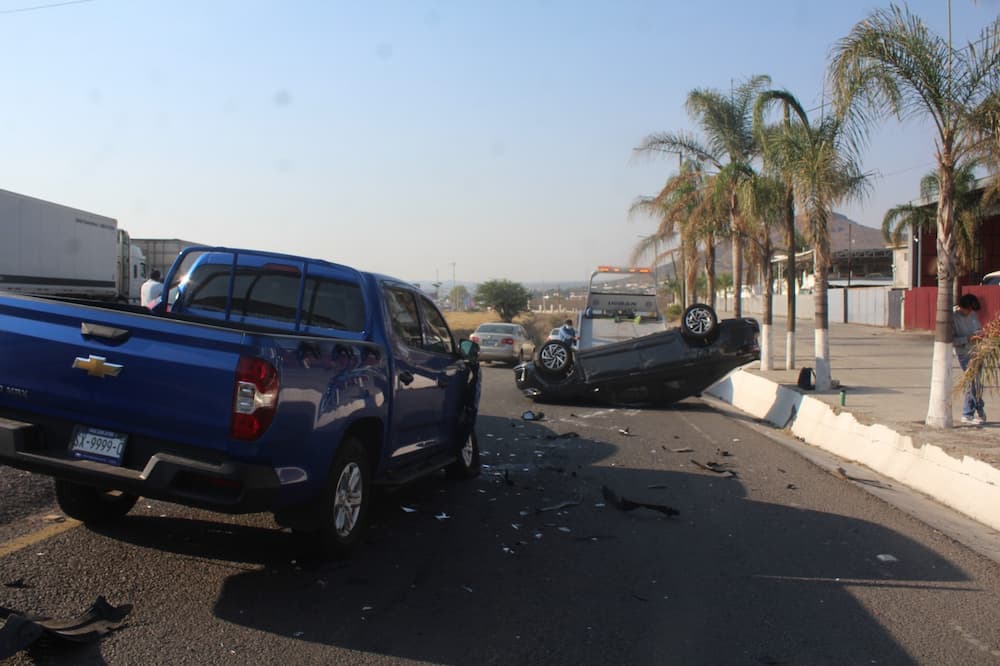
x: 345, y: 502
x: 92, y: 505
x: 467, y: 466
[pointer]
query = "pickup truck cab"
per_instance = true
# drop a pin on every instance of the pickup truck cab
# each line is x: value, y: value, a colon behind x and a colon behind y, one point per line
x: 262, y: 382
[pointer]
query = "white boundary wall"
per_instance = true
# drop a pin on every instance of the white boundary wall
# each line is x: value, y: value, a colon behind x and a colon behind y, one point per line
x: 967, y: 485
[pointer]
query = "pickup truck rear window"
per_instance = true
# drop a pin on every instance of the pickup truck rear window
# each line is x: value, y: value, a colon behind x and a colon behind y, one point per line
x: 268, y: 295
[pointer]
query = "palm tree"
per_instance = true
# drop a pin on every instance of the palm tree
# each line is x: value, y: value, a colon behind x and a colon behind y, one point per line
x: 729, y: 149
x: 969, y: 213
x: 762, y: 202
x: 822, y: 165
x: 789, y: 226
x: 891, y: 64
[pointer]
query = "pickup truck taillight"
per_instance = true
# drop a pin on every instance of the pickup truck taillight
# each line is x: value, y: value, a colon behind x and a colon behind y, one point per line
x: 255, y: 398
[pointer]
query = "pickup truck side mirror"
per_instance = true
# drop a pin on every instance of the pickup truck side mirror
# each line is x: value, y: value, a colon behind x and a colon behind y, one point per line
x: 469, y: 350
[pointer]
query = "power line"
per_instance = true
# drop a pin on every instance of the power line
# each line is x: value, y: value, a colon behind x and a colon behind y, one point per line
x: 53, y: 5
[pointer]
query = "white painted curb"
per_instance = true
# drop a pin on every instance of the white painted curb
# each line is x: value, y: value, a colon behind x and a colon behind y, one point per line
x: 967, y: 485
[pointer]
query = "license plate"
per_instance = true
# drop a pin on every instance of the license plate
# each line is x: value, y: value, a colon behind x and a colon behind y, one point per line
x: 100, y: 445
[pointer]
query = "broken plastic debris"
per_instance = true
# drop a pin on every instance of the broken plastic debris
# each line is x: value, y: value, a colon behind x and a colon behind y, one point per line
x: 558, y: 507
x: 533, y: 416
x: 624, y: 504
x: 407, y: 509
x: 19, y: 630
x: 718, y: 468
x: 565, y: 529
x: 442, y: 516
x: 298, y: 634
x: 624, y: 431
x: 684, y: 449
x: 467, y: 589
x: 885, y: 557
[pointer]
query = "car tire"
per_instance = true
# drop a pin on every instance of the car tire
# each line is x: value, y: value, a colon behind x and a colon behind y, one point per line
x: 554, y: 359
x: 467, y: 466
x: 344, y: 503
x: 92, y: 505
x: 699, y: 323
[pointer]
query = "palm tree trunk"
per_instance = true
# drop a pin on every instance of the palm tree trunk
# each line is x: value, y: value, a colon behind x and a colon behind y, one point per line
x: 790, y: 276
x: 822, y: 322
x: 939, y: 404
x: 737, y: 246
x: 766, y: 348
x: 710, y: 270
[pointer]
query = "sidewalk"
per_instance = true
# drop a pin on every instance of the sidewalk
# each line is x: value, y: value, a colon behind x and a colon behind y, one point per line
x: 885, y: 375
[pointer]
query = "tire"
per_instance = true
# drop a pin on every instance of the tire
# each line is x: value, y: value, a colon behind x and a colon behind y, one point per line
x: 467, y: 466
x: 699, y: 322
x: 344, y: 504
x: 554, y: 359
x: 92, y: 505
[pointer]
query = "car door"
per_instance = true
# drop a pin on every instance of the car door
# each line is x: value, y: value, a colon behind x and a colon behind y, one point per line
x: 422, y: 379
x: 444, y: 362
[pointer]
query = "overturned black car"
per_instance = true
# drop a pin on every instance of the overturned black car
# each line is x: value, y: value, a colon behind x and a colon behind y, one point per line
x: 660, y: 368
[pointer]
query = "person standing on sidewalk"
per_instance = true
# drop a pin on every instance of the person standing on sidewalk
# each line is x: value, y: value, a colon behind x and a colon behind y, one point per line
x: 968, y: 331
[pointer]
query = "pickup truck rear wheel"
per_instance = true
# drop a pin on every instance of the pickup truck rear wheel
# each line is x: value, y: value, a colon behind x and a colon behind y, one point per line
x: 345, y: 502
x: 92, y: 505
x: 467, y: 466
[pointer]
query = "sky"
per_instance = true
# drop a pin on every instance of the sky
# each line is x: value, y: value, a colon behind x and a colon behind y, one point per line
x: 425, y: 139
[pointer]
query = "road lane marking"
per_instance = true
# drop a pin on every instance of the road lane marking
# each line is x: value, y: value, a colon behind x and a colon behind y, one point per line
x: 38, y: 536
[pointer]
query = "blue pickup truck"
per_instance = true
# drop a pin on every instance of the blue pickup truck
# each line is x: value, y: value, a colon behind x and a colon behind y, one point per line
x: 261, y: 382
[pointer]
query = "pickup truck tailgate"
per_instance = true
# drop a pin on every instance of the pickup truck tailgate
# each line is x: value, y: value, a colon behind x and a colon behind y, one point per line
x: 120, y: 371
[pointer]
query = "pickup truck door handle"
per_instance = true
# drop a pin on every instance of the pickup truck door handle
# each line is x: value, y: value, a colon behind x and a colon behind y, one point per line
x: 106, y: 332
x: 406, y: 378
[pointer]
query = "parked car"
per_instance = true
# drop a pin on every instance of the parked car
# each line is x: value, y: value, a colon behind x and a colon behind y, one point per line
x: 659, y: 368
x: 499, y: 341
x: 553, y: 334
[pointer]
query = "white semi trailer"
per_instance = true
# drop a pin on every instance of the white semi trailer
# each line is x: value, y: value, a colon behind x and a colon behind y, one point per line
x: 54, y: 250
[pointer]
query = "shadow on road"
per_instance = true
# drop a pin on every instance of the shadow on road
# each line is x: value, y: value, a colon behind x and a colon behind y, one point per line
x: 530, y: 564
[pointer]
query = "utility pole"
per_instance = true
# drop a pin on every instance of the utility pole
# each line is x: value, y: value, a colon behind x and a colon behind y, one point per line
x: 454, y: 288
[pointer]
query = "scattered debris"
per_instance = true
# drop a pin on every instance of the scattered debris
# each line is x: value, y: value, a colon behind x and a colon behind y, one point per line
x: 407, y: 509
x: 565, y: 435
x: 885, y: 557
x: 565, y: 529
x: 624, y: 431
x: 558, y: 507
x: 442, y: 516
x: 55, y: 518
x: 718, y: 468
x: 792, y: 486
x: 21, y: 630
x: 723, y: 453
x: 18, y: 584
x: 841, y: 474
x: 299, y: 634
x: 624, y: 504
x: 684, y: 449
x: 467, y: 589
x: 533, y: 416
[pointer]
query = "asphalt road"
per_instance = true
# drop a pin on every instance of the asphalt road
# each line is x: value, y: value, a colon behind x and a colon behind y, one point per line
x: 769, y: 560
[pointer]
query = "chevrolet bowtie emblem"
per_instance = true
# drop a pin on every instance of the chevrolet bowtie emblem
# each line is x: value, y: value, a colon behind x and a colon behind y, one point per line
x: 97, y: 366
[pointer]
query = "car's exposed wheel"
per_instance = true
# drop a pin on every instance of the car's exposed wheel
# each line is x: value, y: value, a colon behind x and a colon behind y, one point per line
x: 467, y: 466
x: 92, y: 505
x: 554, y: 358
x: 699, y: 322
x: 343, y: 511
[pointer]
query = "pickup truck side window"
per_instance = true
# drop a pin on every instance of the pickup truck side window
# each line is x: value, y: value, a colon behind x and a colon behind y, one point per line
x: 333, y: 304
x: 404, y: 317
x: 437, y: 337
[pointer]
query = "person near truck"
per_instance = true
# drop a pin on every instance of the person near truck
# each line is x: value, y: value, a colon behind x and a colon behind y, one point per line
x: 151, y: 290
x: 968, y: 331
x: 567, y: 333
